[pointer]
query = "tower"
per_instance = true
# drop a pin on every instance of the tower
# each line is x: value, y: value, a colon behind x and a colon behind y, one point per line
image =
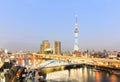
x: 76, y: 48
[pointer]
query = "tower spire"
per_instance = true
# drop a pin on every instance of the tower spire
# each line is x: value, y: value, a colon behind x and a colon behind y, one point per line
x: 76, y: 22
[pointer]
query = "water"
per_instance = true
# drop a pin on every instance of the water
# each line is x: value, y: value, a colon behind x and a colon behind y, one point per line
x: 82, y: 75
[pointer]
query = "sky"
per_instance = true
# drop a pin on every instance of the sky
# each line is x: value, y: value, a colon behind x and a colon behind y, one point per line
x: 24, y: 24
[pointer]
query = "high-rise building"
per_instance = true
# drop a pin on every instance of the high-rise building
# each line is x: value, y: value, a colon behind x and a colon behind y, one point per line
x: 76, y: 48
x: 44, y: 46
x: 57, y: 47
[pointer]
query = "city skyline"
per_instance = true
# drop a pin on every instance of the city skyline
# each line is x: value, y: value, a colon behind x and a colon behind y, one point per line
x: 25, y: 24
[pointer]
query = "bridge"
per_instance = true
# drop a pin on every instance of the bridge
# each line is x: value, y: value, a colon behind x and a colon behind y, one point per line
x: 112, y: 63
x: 56, y: 65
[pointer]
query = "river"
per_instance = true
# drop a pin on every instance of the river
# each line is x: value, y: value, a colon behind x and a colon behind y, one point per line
x: 83, y: 74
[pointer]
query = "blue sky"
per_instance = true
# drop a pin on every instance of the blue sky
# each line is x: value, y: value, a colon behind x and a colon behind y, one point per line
x: 24, y: 24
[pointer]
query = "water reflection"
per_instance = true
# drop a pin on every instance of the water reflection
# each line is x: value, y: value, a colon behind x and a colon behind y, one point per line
x: 97, y: 77
x: 113, y: 78
x: 82, y: 75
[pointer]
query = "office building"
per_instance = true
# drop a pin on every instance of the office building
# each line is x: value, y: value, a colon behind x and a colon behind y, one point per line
x: 44, y: 46
x: 57, y: 47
